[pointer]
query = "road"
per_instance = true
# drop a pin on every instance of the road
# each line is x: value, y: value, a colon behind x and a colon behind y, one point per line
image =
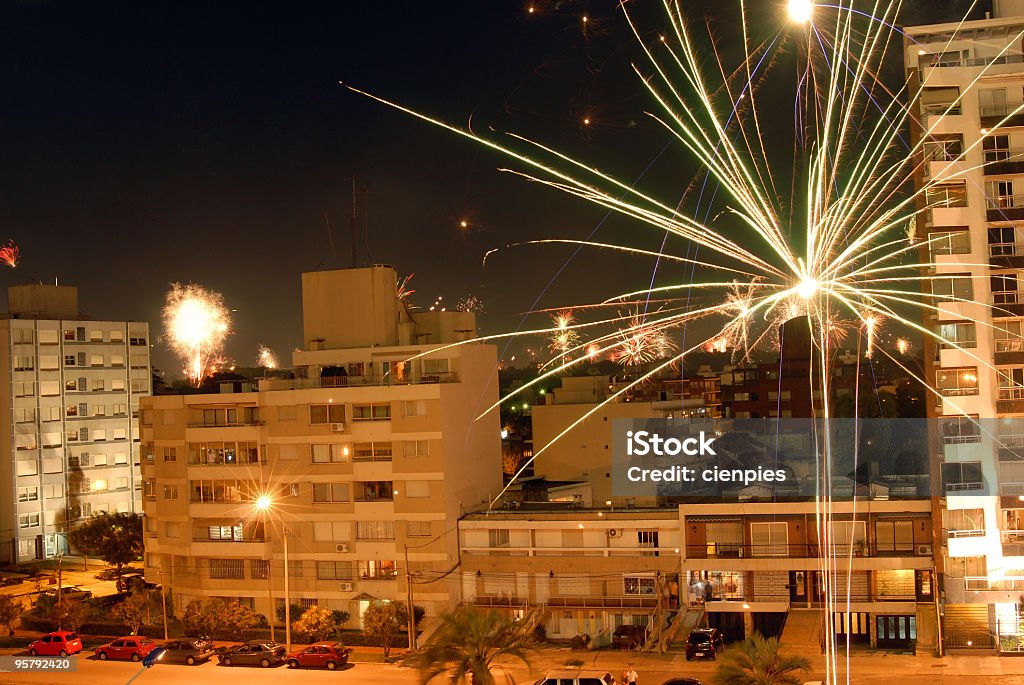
x: 880, y: 671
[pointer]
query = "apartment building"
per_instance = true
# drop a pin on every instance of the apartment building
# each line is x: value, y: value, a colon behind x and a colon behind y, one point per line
x: 739, y: 567
x: 369, y: 455
x: 70, y: 388
x: 971, y: 84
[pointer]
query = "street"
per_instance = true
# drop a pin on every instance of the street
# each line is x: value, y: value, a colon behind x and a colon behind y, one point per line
x: 653, y: 670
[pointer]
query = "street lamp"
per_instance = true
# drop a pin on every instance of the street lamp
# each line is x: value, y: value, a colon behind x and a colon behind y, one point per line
x: 265, y: 504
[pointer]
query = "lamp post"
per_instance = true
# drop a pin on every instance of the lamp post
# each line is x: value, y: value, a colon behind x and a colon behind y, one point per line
x: 163, y: 600
x: 264, y: 505
x: 410, y: 620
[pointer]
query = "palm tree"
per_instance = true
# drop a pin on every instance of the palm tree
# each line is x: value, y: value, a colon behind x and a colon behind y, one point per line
x: 757, y: 662
x: 468, y: 642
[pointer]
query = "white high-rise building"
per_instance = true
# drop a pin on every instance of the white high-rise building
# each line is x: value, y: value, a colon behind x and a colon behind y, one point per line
x: 970, y: 79
x: 69, y: 388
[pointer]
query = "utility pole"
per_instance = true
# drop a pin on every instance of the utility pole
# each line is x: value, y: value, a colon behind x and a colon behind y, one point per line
x: 411, y: 619
x: 163, y: 600
x: 60, y: 571
x: 287, y: 598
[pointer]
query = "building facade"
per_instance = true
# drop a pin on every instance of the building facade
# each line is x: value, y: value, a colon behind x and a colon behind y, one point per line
x: 70, y: 386
x: 369, y: 456
x: 968, y: 79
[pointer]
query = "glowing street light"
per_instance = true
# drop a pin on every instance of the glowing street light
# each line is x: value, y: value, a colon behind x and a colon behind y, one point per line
x: 264, y: 504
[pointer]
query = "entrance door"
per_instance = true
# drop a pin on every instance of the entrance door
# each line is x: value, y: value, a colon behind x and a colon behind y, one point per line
x: 896, y: 631
x: 923, y: 585
x: 797, y: 587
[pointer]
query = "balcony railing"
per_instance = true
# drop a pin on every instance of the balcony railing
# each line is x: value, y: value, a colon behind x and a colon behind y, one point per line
x: 984, y: 583
x: 250, y: 539
x: 976, y: 61
x: 1012, y: 393
x: 226, y: 424
x: 1003, y: 109
x: 1006, y: 249
x: 1013, y: 543
x: 637, y: 602
x: 358, y: 381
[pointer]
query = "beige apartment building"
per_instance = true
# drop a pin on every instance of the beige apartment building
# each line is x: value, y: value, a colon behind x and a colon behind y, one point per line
x: 370, y: 455
x: 755, y: 565
x: 69, y: 398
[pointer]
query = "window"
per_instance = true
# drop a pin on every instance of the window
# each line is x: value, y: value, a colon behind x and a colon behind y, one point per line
x: 331, y: 492
x: 169, y: 453
x: 69, y: 360
x: 28, y: 494
x: 98, y: 385
x: 28, y: 521
x: 372, y: 451
x: 227, y: 569
x: 334, y: 570
x: 375, y: 530
x: 959, y: 381
x: 953, y: 287
x: 53, y: 491
x: 959, y: 476
x: 48, y: 362
x: 648, y: 539
x: 371, y: 412
x: 24, y: 389
x: 949, y: 241
x: 414, y: 408
x: 24, y: 362
x: 226, y: 533
x: 940, y: 100
x: 375, y: 569
x: 957, y: 334
x: 1004, y: 288
x: 417, y: 488
x: 170, y: 491
x: 848, y: 537
x: 946, y: 194
x: 332, y: 531
x: 1011, y: 382
x: 992, y: 102
x: 999, y: 195
x: 434, y: 367
x: 417, y: 529
x: 769, y: 539
x: 326, y: 413
x: 373, y: 491
x: 137, y: 341
x: 122, y: 483
x: 25, y: 415
x: 116, y: 336
x: 498, y: 537
x: 638, y: 585
x: 996, y: 148
x: 259, y: 569
x: 416, y: 448
x: 325, y: 454
x: 49, y: 388
x: 117, y: 360
x: 1007, y: 334
x: 957, y: 430
x: 98, y: 485
x: 944, y: 147
x: 964, y: 522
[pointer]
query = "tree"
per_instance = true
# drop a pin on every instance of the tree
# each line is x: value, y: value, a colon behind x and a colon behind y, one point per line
x: 10, y: 612
x: 317, y: 624
x: 384, y: 620
x: 116, y: 538
x: 69, y: 614
x: 757, y: 662
x: 219, y: 619
x: 135, y: 610
x: 470, y: 640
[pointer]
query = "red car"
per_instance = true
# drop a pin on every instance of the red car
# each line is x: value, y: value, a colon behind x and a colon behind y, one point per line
x: 61, y: 643
x: 132, y: 647
x: 329, y: 655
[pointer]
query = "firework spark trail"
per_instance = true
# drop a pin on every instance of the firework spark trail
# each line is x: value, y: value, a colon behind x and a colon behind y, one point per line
x: 839, y: 251
x: 265, y: 358
x: 10, y: 254
x: 197, y: 324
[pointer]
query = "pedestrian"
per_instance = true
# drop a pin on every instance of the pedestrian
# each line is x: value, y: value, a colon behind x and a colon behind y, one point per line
x: 629, y: 675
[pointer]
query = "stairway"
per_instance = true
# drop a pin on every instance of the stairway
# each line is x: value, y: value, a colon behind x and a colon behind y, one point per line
x: 803, y: 631
x: 684, y: 622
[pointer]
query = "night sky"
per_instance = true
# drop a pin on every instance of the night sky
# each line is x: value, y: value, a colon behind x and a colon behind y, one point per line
x: 147, y: 143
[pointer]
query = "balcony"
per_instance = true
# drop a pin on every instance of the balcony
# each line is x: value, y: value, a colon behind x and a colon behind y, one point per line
x: 357, y: 381
x: 1008, y: 113
x: 1000, y: 162
x: 986, y: 584
x: 637, y: 602
x: 227, y: 424
x: 1003, y: 208
x: 1013, y: 543
x: 244, y: 539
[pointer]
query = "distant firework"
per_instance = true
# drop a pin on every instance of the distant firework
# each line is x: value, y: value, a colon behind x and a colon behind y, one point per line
x: 265, y: 358
x: 470, y: 303
x: 563, y: 336
x: 197, y: 324
x: 641, y: 343
x: 10, y: 254
x: 404, y: 291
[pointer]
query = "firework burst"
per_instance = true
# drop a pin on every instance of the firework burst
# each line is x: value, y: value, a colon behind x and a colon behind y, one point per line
x: 197, y: 323
x: 564, y: 337
x: 266, y: 358
x: 10, y: 254
x: 642, y: 343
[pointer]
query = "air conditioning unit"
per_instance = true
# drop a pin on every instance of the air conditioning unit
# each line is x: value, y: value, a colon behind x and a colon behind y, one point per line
x: 337, y: 428
x: 345, y: 587
x: 924, y: 550
x: 342, y: 547
x: 614, y: 532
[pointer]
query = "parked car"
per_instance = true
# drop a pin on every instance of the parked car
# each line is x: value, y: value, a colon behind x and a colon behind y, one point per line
x: 189, y: 651
x: 60, y: 643
x: 682, y: 681
x: 329, y: 655
x: 577, y: 677
x: 705, y: 642
x: 132, y: 647
x: 629, y: 637
x: 254, y: 653
x: 135, y: 581
x: 69, y: 592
